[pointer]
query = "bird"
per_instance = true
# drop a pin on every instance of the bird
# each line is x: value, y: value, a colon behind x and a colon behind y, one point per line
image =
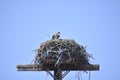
x: 56, y: 36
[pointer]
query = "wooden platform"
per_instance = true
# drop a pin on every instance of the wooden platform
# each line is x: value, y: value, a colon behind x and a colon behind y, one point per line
x: 64, y: 66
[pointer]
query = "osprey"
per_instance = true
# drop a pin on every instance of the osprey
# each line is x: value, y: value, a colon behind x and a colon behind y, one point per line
x: 56, y: 35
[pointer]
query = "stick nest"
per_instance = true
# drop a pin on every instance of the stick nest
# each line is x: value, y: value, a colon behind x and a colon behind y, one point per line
x: 50, y: 51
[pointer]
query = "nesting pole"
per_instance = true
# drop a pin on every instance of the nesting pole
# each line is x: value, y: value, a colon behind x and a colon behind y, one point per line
x: 58, y: 74
x: 60, y: 55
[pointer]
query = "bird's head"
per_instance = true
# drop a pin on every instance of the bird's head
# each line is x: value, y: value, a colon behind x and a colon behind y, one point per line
x: 58, y: 33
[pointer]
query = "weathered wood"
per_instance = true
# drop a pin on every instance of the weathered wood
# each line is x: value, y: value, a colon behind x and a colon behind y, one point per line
x: 64, y: 66
x: 58, y: 74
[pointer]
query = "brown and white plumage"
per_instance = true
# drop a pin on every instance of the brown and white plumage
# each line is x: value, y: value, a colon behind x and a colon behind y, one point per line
x: 56, y: 35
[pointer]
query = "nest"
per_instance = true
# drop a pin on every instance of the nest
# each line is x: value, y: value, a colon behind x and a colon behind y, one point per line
x: 61, y: 51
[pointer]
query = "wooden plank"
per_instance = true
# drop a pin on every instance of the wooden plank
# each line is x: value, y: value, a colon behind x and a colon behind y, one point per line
x: 64, y: 66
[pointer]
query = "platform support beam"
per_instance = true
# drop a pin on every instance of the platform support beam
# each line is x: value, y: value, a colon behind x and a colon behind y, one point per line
x: 58, y: 70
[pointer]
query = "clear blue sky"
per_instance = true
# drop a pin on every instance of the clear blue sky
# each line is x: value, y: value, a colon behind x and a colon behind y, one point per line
x: 24, y: 24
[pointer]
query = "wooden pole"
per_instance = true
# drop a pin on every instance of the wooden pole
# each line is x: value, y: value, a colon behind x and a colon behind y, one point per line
x: 58, y: 74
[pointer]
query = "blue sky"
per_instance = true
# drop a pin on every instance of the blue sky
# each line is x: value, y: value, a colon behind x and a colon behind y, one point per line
x: 24, y: 24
